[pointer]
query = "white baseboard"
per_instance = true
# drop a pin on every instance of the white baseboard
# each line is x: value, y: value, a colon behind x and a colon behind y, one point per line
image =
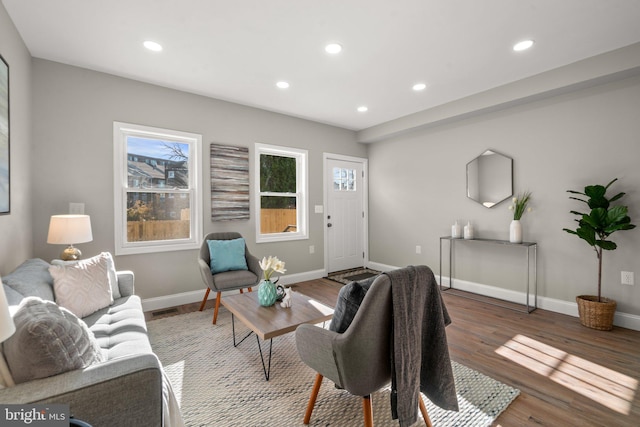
x: 380, y: 267
x: 166, y: 301
x: 289, y: 279
x: 624, y: 320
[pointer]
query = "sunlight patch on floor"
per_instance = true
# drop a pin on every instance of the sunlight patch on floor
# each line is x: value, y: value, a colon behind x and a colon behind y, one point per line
x: 176, y: 372
x: 605, y: 386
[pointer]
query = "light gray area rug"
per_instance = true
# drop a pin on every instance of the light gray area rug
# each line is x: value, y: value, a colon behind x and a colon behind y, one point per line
x: 219, y: 385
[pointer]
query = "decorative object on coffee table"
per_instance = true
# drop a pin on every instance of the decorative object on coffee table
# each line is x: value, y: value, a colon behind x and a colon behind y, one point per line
x: 286, y: 300
x: 267, y: 292
x: 595, y: 227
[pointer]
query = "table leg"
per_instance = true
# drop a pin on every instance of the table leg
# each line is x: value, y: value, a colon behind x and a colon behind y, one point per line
x: 233, y: 329
x: 267, y: 370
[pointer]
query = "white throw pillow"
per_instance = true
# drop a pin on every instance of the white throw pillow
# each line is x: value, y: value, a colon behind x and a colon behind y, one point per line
x: 113, y: 275
x: 84, y: 287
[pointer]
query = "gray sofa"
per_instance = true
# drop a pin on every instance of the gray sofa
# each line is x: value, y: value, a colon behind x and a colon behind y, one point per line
x: 126, y: 389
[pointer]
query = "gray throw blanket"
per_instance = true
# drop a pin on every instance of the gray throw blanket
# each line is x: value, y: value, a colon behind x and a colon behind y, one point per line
x: 420, y: 355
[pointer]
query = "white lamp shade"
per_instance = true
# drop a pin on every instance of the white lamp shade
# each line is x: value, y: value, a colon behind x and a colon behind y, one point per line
x: 69, y: 229
x: 7, y: 327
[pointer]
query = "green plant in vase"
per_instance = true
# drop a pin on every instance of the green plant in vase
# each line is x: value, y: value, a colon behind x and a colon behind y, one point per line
x: 595, y: 227
x: 519, y: 207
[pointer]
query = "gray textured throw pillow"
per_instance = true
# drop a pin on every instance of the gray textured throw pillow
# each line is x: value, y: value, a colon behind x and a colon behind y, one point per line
x: 31, y: 278
x: 49, y: 340
x: 349, y: 299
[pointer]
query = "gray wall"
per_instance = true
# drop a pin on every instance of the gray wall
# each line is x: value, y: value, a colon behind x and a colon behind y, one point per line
x: 74, y: 110
x: 15, y: 228
x: 588, y: 136
x: 61, y: 140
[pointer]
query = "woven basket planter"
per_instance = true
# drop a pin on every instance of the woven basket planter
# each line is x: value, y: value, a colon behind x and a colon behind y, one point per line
x: 594, y: 314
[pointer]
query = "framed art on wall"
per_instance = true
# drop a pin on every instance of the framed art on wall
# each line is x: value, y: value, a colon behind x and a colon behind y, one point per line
x: 4, y: 138
x: 229, y: 182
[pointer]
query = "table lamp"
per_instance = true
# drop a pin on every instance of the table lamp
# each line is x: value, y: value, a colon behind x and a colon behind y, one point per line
x: 7, y: 328
x: 67, y: 230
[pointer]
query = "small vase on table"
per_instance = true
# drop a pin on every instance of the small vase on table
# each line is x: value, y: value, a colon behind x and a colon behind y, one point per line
x: 515, y: 231
x: 267, y: 293
x: 519, y: 207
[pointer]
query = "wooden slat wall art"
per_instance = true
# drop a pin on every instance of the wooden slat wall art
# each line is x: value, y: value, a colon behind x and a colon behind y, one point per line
x: 229, y: 183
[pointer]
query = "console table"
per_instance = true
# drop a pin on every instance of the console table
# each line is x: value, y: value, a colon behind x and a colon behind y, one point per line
x: 530, y: 248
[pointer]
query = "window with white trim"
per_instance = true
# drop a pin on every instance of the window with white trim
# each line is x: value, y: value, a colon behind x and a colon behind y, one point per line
x: 157, y: 189
x: 281, y: 196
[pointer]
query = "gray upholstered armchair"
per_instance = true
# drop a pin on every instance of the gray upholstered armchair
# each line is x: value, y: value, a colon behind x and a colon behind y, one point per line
x: 228, y: 280
x: 358, y: 359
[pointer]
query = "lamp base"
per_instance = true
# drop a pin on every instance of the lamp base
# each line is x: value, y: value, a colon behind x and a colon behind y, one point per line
x: 71, y: 253
x: 5, y: 374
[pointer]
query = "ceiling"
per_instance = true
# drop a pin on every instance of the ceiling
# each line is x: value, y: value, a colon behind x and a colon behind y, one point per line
x: 237, y: 50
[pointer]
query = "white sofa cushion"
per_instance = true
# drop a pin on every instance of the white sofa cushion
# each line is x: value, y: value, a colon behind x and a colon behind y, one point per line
x: 111, y: 269
x: 83, y: 287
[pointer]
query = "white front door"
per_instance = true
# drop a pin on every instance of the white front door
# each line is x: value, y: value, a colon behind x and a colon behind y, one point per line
x: 345, y: 214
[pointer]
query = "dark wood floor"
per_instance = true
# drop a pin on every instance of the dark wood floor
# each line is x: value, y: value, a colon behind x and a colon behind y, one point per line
x: 568, y: 375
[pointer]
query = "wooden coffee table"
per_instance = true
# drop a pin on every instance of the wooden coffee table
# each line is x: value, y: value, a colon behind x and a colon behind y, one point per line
x: 270, y: 322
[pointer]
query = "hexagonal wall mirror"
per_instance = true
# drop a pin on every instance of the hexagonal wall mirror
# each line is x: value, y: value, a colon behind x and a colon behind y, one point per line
x: 490, y: 178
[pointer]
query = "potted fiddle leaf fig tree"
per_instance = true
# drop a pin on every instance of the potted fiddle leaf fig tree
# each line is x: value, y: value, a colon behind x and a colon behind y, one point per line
x: 595, y: 227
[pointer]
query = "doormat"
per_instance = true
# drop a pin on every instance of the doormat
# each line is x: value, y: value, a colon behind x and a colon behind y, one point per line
x: 352, y: 275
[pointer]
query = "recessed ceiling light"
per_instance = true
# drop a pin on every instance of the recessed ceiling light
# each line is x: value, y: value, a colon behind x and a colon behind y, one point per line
x: 523, y: 45
x: 283, y: 85
x: 156, y: 47
x: 363, y: 109
x: 419, y: 86
x: 333, y: 48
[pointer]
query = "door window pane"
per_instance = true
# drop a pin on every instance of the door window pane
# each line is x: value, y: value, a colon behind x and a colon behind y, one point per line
x: 344, y: 179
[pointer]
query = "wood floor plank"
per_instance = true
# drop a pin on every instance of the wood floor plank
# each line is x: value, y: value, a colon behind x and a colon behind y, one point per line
x: 568, y: 375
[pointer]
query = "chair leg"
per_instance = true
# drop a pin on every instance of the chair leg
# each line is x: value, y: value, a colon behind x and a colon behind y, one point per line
x: 215, y: 310
x: 241, y: 291
x: 312, y: 399
x: 423, y: 410
x: 204, y: 301
x: 368, y: 411
x: 250, y: 290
